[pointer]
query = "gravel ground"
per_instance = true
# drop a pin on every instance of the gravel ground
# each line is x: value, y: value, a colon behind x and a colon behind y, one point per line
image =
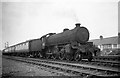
x: 15, y: 68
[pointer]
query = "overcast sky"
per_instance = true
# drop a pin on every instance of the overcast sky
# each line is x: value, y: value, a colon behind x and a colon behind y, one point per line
x: 24, y: 20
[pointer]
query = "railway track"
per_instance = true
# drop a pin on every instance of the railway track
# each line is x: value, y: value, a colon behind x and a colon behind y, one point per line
x: 108, y: 58
x: 114, y: 64
x: 97, y: 62
x: 76, y: 69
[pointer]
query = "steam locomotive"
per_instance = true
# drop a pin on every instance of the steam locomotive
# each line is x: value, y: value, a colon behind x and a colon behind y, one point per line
x: 67, y: 45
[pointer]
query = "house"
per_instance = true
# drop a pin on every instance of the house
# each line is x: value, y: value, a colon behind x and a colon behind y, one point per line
x: 110, y: 45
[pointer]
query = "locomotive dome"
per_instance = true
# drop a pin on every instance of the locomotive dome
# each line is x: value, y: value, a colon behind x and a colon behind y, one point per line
x: 65, y: 29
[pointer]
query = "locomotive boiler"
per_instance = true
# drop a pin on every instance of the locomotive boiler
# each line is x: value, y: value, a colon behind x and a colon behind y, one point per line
x: 78, y: 34
x: 69, y: 45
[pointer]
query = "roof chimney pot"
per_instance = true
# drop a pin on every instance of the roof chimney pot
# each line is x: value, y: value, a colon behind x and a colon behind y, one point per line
x: 101, y: 37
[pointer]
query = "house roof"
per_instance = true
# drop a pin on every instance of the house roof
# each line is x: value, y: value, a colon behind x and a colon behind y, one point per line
x: 109, y: 40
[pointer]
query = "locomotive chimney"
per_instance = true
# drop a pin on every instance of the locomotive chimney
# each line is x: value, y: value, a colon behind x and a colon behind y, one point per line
x: 77, y: 24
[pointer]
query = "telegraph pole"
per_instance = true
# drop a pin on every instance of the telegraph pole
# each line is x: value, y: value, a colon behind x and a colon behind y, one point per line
x: 7, y: 44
